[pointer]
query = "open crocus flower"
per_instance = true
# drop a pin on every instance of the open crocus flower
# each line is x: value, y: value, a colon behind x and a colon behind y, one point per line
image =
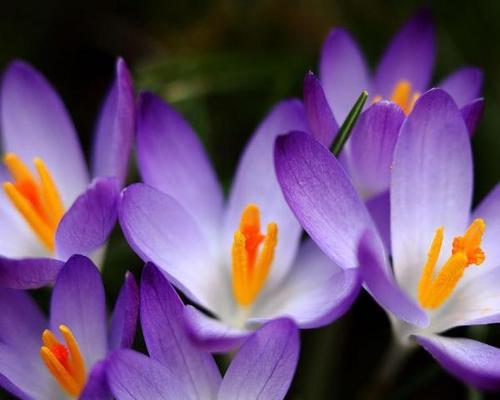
x: 262, y: 369
x: 61, y: 358
x: 445, y: 259
x: 219, y: 256
x: 49, y: 208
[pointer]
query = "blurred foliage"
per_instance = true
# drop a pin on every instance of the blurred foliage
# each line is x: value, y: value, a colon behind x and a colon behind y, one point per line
x: 223, y: 64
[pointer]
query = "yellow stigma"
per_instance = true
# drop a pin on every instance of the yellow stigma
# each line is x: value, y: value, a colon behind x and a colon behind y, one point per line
x: 65, y: 363
x: 434, y: 291
x: 250, y: 267
x: 403, y: 96
x: 37, y: 201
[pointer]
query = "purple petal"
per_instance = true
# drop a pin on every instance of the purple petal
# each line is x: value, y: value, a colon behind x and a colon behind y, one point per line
x: 159, y: 230
x: 171, y: 158
x: 162, y: 319
x: 473, y: 362
x: 133, y: 376
x: 372, y: 146
x: 28, y: 273
x: 115, y: 127
x: 315, y: 293
x: 124, y: 318
x: 382, y: 286
x: 379, y: 208
x: 265, y: 365
x: 255, y: 182
x: 211, y: 335
x: 319, y: 115
x: 35, y: 123
x: 322, y: 197
x: 78, y: 302
x: 464, y: 85
x: 343, y: 72
x: 97, y: 387
x: 431, y: 183
x: 409, y: 56
x: 88, y: 223
x: 472, y: 114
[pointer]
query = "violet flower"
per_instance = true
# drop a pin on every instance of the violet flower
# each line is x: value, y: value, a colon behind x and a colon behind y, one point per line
x: 215, y: 253
x: 445, y: 258
x: 263, y: 367
x: 49, y: 208
x: 62, y: 357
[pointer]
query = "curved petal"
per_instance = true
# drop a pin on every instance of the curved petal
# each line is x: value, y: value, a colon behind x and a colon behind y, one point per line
x: 211, y: 335
x: 96, y: 387
x: 78, y: 302
x: 171, y: 158
x: 379, y: 208
x: 115, y: 127
x: 409, y: 56
x: 431, y: 183
x: 28, y: 273
x: 162, y: 319
x: 322, y: 197
x: 473, y: 362
x: 35, y: 123
x: 464, y: 85
x: 124, y: 318
x: 472, y: 114
x: 133, y: 376
x: 255, y: 182
x: 372, y: 145
x: 382, y: 286
x: 343, y: 72
x: 315, y: 293
x: 265, y: 365
x: 319, y: 115
x: 159, y: 230
x: 88, y: 223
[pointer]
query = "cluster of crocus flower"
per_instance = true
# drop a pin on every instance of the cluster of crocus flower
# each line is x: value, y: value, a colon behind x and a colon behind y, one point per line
x: 390, y: 214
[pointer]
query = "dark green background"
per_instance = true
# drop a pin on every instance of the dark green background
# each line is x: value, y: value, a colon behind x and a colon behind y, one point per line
x: 224, y: 63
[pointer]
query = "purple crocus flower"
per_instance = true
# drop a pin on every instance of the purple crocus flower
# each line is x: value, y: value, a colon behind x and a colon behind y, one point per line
x: 445, y: 258
x: 62, y: 357
x: 215, y: 253
x: 49, y: 207
x: 262, y: 369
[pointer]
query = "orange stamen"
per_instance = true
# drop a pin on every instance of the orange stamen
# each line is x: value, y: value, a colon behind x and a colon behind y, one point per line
x: 434, y: 291
x: 250, y: 268
x: 402, y: 95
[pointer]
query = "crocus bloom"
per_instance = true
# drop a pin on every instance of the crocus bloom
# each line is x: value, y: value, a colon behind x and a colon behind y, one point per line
x: 446, y: 260
x: 262, y: 369
x: 215, y: 253
x: 61, y: 357
x: 49, y: 208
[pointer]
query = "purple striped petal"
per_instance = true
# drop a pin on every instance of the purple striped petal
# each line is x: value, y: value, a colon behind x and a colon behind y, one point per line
x: 319, y: 115
x: 88, y: 223
x: 265, y: 365
x: 28, y: 273
x: 97, y: 387
x: 162, y: 319
x: 322, y: 197
x: 473, y: 362
x: 171, y: 158
x: 35, y: 123
x: 431, y: 183
x: 78, y: 302
x: 409, y: 56
x: 115, y: 127
x: 472, y: 114
x: 379, y: 208
x: 124, y: 318
x: 464, y: 85
x: 255, y: 182
x: 343, y: 72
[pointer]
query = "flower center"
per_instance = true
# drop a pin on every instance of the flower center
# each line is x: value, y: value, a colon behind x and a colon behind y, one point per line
x: 64, y: 362
x: 37, y: 201
x: 403, y: 96
x: 434, y: 291
x: 250, y: 268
